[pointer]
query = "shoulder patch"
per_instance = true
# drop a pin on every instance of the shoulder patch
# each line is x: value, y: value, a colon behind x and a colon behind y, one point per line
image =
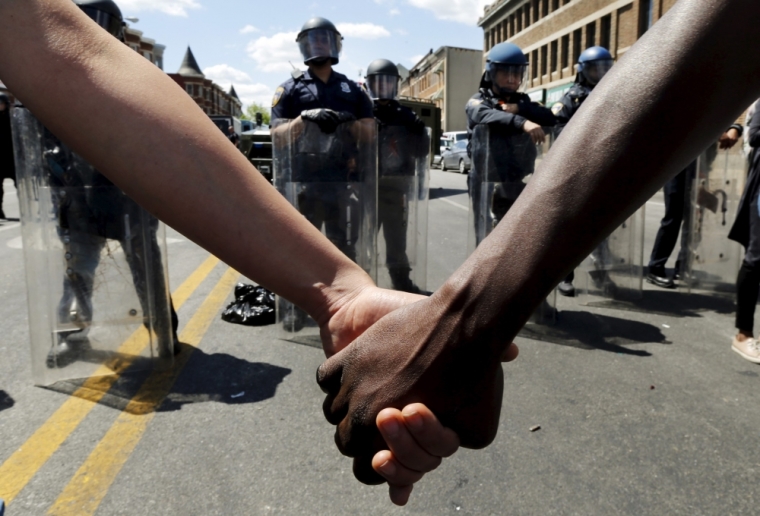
x: 474, y: 102
x: 557, y: 107
x: 277, y: 96
x: 345, y: 87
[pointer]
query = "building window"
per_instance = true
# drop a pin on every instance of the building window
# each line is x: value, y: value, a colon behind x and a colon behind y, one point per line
x: 555, y: 5
x: 554, y: 60
x: 189, y: 89
x: 646, y: 15
x: 519, y: 20
x: 591, y: 34
x: 565, y: 50
x: 536, y: 11
x: 505, y: 29
x: 606, y: 30
x: 526, y: 16
x: 544, y: 8
x: 577, y: 43
x: 534, y: 64
x: 544, y: 59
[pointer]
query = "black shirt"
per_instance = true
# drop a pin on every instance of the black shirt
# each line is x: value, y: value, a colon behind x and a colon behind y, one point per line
x: 303, y: 92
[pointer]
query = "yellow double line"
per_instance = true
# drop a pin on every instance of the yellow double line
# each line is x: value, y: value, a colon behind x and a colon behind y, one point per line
x: 90, y: 484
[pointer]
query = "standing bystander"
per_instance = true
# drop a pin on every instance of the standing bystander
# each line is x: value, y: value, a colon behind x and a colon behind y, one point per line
x: 746, y: 231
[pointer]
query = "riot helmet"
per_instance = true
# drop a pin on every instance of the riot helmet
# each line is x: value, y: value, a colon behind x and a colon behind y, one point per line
x: 382, y: 80
x: 505, y: 68
x: 593, y: 64
x: 319, y: 41
x: 106, y: 14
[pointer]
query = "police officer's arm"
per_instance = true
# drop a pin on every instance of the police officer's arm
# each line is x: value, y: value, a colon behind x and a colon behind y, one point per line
x: 617, y: 152
x: 480, y: 113
x: 537, y: 113
x: 563, y: 112
x: 753, y: 134
x: 731, y: 136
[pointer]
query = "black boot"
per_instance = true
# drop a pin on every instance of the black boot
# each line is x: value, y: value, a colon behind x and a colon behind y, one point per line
x: 402, y: 282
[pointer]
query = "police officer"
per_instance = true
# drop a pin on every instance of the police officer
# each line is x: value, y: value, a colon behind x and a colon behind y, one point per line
x: 593, y: 65
x: 328, y: 99
x: 397, y: 157
x: 91, y: 210
x: 677, y: 196
x: 515, y: 127
x: 7, y: 166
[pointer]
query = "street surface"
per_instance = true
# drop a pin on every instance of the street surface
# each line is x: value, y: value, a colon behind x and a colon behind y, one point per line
x: 641, y: 411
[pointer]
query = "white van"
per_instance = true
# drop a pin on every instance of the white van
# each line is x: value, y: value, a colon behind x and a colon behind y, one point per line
x: 450, y: 138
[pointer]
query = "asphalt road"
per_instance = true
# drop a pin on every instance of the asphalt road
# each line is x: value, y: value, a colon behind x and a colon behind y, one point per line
x: 642, y: 411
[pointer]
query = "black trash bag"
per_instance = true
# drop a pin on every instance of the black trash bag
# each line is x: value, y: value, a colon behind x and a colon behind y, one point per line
x: 253, y: 306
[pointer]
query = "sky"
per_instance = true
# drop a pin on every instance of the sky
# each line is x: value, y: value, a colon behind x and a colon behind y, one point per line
x: 249, y: 43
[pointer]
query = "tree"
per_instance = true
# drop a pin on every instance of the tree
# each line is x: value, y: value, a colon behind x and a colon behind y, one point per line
x: 255, y: 107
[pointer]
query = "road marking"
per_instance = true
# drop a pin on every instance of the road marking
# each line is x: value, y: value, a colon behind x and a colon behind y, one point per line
x: 460, y: 206
x: 20, y: 468
x: 90, y: 484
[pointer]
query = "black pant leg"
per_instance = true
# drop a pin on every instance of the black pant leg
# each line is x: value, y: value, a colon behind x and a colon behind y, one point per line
x: 748, y: 279
x: 670, y: 225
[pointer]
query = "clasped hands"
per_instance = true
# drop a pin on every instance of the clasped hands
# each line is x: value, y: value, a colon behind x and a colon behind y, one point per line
x: 406, y: 385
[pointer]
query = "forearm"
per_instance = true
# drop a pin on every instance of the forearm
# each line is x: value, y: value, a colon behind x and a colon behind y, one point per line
x: 617, y: 151
x: 136, y: 125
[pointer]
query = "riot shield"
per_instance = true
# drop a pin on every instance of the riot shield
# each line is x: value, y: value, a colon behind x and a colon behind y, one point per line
x: 331, y: 179
x: 713, y: 261
x: 95, y: 266
x: 613, y: 274
x: 402, y: 197
x: 502, y: 164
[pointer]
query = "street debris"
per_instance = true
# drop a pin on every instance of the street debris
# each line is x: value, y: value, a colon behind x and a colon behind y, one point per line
x: 535, y: 428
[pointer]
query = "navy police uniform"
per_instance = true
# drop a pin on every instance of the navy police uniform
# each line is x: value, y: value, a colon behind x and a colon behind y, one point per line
x: 570, y: 102
x: 402, y: 141
x: 302, y: 92
x: 323, y: 198
x: 511, y: 152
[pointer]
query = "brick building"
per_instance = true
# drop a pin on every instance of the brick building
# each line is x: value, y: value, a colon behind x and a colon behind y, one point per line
x: 553, y: 33
x: 208, y: 95
x: 146, y: 47
x: 449, y: 77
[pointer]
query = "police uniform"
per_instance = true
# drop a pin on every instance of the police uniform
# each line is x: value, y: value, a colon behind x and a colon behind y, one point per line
x: 570, y: 102
x: 90, y: 210
x: 512, y: 152
x: 324, y: 198
x: 397, y: 159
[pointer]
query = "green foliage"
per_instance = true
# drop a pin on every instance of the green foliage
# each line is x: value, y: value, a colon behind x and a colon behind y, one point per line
x: 250, y: 112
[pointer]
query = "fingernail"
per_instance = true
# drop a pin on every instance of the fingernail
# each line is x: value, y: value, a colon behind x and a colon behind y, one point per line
x: 413, y: 419
x: 390, y: 427
x: 388, y: 468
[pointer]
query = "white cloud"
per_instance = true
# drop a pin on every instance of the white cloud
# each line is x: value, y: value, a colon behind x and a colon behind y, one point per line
x: 273, y: 54
x: 248, y: 29
x: 463, y: 11
x: 394, y: 12
x: 171, y: 7
x: 362, y: 30
x: 248, y: 90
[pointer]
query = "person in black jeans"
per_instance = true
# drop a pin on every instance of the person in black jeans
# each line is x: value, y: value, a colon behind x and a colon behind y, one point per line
x: 746, y: 231
x: 677, y: 199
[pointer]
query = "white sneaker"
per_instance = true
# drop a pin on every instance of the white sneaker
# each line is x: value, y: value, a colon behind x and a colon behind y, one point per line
x: 748, y: 349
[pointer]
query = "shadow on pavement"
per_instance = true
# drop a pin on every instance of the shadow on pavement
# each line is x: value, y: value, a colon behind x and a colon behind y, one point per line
x: 437, y: 193
x: 218, y: 377
x: 223, y: 378
x: 677, y: 303
x: 589, y: 331
x: 6, y: 401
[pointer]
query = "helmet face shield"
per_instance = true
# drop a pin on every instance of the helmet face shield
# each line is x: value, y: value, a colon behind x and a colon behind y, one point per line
x: 382, y: 87
x: 507, y: 78
x: 109, y: 22
x: 320, y: 44
x: 594, y: 71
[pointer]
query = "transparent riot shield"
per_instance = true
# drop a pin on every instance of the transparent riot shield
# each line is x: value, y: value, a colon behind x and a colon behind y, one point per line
x: 95, y: 266
x: 402, y: 198
x: 331, y: 179
x: 713, y: 261
x: 502, y: 164
x: 613, y: 275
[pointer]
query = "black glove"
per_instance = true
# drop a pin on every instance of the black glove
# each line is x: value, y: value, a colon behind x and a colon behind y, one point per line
x: 327, y: 119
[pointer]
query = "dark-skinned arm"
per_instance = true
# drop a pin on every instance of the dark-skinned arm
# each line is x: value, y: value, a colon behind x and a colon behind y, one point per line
x: 615, y: 154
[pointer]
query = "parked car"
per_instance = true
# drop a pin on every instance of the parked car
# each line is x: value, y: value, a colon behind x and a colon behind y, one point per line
x: 456, y: 158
